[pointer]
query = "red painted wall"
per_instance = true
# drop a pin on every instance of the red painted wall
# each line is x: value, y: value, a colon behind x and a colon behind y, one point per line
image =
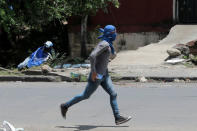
x: 136, y: 16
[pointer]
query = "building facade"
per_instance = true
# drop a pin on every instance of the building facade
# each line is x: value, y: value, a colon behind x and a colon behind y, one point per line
x: 137, y: 16
x: 139, y: 22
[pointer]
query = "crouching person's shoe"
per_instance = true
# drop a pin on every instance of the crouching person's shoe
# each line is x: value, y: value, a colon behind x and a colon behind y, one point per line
x: 121, y: 120
x: 63, y: 110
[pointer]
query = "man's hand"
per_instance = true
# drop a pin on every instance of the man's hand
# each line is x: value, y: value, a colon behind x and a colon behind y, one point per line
x: 94, y: 74
x: 112, y: 56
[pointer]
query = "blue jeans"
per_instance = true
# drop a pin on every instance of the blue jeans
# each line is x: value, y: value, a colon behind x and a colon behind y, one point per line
x: 107, y: 85
x: 24, y: 63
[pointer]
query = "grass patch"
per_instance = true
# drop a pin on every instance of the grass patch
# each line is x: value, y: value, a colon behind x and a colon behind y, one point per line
x: 10, y: 73
x: 189, y: 65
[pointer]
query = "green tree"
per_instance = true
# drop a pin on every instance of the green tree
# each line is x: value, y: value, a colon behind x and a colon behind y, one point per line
x: 19, y: 15
x: 83, y: 8
x: 22, y: 18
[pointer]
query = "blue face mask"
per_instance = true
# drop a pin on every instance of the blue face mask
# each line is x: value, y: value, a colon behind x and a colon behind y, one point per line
x: 109, y: 35
x: 113, y: 36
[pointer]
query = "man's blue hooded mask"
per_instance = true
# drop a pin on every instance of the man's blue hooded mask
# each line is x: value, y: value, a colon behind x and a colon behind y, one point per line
x: 109, y: 35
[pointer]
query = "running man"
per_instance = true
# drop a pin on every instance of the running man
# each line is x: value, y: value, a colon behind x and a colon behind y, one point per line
x: 99, y: 59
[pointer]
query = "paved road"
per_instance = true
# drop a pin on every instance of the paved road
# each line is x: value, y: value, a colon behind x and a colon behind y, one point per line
x: 153, y: 106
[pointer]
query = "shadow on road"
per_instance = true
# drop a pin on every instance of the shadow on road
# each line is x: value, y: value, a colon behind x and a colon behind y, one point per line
x: 89, y: 127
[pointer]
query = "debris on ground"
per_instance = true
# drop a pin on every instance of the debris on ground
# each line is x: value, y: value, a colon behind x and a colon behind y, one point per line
x: 46, y: 69
x: 175, y: 60
x: 9, y: 127
x: 183, y: 53
x: 141, y: 79
x: 65, y: 66
x: 184, y: 49
x: 192, y: 47
x: 179, y: 80
x: 176, y: 80
x: 78, y: 77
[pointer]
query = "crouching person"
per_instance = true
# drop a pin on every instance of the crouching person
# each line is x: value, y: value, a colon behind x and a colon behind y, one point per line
x: 41, y: 55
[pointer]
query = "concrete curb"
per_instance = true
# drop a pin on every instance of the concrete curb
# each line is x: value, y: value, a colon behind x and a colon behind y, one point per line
x: 154, y: 78
x: 34, y: 78
x: 68, y: 79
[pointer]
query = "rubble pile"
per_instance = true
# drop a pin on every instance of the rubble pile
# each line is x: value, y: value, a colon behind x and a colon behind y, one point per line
x: 183, y: 53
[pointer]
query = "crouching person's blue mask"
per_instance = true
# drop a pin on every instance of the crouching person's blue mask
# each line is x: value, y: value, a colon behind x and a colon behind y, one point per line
x: 109, y: 35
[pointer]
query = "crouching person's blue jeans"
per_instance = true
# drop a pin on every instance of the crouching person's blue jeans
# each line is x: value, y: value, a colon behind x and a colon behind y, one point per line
x: 107, y: 85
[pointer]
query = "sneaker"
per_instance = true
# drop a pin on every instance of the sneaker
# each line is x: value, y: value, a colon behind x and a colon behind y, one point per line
x: 63, y: 110
x: 122, y: 120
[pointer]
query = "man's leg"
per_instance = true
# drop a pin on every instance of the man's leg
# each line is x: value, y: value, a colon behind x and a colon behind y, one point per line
x: 108, y: 87
x: 90, y: 88
x: 23, y: 64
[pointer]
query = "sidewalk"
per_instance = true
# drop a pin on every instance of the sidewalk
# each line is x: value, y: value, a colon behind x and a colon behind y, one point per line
x: 148, y: 61
x: 166, y: 73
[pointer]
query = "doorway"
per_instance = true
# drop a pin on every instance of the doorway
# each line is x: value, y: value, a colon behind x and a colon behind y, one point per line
x: 185, y: 11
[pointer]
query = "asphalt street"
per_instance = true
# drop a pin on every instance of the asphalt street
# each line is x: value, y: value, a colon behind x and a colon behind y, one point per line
x: 153, y: 107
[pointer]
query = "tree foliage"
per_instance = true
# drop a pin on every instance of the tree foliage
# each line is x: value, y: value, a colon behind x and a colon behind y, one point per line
x: 26, y: 24
x: 28, y: 20
x: 18, y: 15
x: 28, y: 14
x: 83, y: 8
x: 87, y: 7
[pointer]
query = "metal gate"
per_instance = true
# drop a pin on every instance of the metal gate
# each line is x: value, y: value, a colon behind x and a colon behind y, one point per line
x: 186, y: 11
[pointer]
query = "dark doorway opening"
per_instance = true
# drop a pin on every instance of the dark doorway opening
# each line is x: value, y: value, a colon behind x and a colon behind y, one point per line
x: 186, y: 11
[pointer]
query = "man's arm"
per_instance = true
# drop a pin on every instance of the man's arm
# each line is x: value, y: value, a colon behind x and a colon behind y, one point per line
x: 97, y: 51
x: 112, y: 56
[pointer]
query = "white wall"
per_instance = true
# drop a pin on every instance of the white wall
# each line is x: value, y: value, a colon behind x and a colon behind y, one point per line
x: 126, y: 41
